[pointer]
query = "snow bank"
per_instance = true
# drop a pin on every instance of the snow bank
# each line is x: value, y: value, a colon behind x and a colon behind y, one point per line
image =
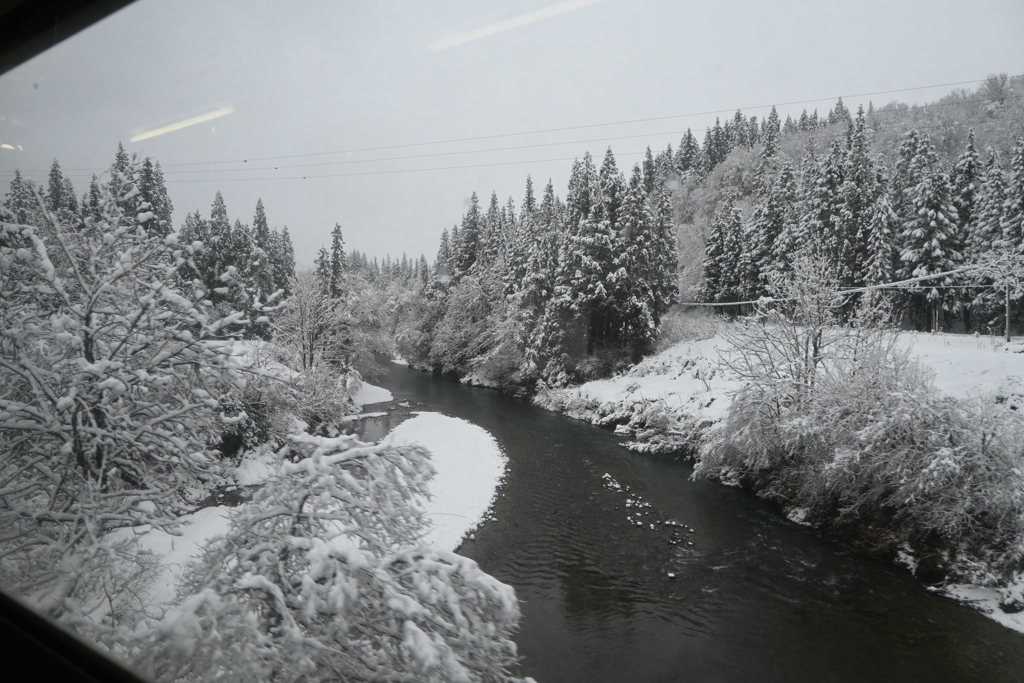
x: 669, y: 399
x: 663, y: 402
x: 967, y: 366
x: 369, y: 393
x: 257, y: 466
x: 469, y: 466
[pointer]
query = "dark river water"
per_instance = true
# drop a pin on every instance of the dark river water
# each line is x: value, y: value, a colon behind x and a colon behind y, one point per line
x: 754, y: 598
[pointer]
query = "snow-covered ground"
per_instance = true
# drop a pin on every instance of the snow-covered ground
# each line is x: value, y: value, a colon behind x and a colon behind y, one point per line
x: 664, y: 400
x: 467, y: 459
x: 177, y: 551
x: 987, y: 600
x: 967, y: 366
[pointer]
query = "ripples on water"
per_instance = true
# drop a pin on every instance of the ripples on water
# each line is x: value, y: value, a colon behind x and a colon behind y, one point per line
x: 755, y: 598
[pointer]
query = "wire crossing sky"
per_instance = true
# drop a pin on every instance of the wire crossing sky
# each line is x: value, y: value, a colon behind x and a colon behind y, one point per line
x: 384, y: 117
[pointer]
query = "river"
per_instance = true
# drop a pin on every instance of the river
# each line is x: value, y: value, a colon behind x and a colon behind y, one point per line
x: 754, y: 597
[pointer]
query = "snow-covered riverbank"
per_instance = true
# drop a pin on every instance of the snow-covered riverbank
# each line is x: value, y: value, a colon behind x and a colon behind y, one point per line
x: 469, y: 467
x: 667, y: 402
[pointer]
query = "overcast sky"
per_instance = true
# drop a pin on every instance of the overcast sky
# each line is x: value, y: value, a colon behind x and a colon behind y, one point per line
x: 309, y: 84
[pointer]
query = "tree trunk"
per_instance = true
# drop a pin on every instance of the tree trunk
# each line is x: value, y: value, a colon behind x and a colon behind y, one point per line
x: 1007, y: 312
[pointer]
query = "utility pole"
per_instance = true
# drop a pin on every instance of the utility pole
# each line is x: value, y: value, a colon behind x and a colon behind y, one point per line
x: 1007, y: 312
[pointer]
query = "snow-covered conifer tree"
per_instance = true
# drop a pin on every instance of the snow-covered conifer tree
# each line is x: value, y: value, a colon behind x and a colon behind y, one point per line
x: 722, y: 253
x: 577, y: 312
x: 491, y: 238
x: 60, y: 199
x: 124, y: 171
x: 153, y: 192
x: 822, y: 207
x: 338, y: 266
x: 931, y: 240
x: 688, y: 155
x: 444, y: 256
x: 988, y: 230
x: 965, y: 181
x: 21, y: 202
x: 770, y: 136
x: 882, y: 233
x: 468, y: 243
x: 665, y: 266
x: 650, y: 171
x: 613, y: 187
x: 322, y: 267
x: 634, y: 273
x: 771, y: 216
x: 857, y: 196
x: 1013, y: 206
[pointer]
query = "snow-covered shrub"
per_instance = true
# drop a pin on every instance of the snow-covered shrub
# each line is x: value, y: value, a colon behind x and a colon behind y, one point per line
x: 110, y: 373
x: 685, y: 325
x: 317, y: 397
x: 501, y: 363
x: 778, y: 354
x: 461, y: 334
x: 320, y: 578
x: 842, y: 423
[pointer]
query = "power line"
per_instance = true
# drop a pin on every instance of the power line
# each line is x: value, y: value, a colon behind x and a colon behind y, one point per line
x: 580, y: 127
x: 517, y: 147
x: 553, y: 130
x: 69, y: 172
x: 445, y: 154
x: 363, y: 173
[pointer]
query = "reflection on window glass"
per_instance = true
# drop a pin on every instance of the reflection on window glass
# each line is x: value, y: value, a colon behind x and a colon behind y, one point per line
x: 236, y: 238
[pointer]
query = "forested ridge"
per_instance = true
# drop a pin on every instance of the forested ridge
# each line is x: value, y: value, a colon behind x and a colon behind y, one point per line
x: 564, y: 291
x: 884, y: 195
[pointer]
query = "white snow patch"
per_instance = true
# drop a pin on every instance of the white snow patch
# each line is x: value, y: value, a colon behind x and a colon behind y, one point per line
x: 368, y: 393
x: 469, y: 466
x: 197, y: 528
x: 967, y: 366
x: 360, y: 416
x: 257, y: 466
x: 986, y: 600
x: 799, y: 516
x: 905, y: 557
